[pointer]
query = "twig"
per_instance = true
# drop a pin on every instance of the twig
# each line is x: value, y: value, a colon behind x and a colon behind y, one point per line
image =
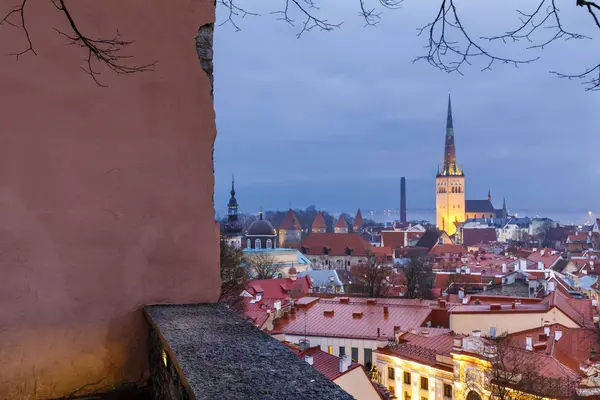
x: 20, y: 10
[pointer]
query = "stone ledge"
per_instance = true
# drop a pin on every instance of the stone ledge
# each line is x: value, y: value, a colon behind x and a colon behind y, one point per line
x: 218, y: 355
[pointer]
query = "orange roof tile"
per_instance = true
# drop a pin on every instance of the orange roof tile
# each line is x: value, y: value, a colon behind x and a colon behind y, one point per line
x: 448, y: 249
x: 392, y: 239
x: 358, y: 220
x: 356, y: 318
x: 315, y: 244
x: 279, y: 288
x: 325, y: 363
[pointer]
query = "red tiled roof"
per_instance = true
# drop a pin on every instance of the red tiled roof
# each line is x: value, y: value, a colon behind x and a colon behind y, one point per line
x: 319, y: 222
x: 258, y: 311
x: 448, y: 249
x: 421, y: 348
x: 315, y: 243
x: 357, y: 318
x: 290, y: 222
x: 358, y: 220
x: 472, y: 236
x: 325, y: 363
x: 578, y: 237
x: 279, y: 288
x: 393, y: 239
x: 341, y: 222
x: 444, y: 279
x: 547, y: 258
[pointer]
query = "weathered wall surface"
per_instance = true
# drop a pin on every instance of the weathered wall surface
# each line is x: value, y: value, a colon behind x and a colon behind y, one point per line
x: 105, y: 193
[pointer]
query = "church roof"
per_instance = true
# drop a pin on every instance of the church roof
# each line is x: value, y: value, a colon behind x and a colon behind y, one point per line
x: 450, y: 167
x: 482, y: 206
x: 290, y: 222
x: 319, y: 222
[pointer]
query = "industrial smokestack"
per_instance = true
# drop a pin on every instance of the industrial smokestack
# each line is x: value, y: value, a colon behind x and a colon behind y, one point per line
x: 403, y: 199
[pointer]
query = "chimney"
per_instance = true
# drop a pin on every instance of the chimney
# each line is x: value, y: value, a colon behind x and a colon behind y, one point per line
x: 476, y: 333
x: 385, y: 311
x: 403, y: 199
x: 344, y: 300
x: 458, y: 270
x: 442, y: 303
x: 529, y: 343
x: 304, y: 344
x: 357, y: 315
x: 542, y: 251
x: 540, y: 265
x: 371, y: 302
x: 344, y: 363
x: 461, y: 294
x: 557, y: 335
x: 328, y: 313
x: 547, y: 330
x: 458, y: 343
x: 378, y: 332
x: 503, y: 268
x: 551, y: 286
x: 309, y: 359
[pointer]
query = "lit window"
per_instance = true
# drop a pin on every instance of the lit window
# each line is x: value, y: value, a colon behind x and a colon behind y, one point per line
x: 447, y: 390
x: 248, y: 243
x: 330, y: 349
x: 257, y: 244
x: 424, y: 383
x: 269, y: 243
x: 407, y: 378
x: 164, y: 357
x: 391, y: 373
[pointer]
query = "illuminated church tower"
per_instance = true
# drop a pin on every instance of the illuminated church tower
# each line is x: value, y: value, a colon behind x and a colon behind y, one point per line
x: 450, y: 185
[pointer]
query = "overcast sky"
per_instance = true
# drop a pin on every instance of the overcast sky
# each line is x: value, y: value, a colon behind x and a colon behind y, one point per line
x: 336, y: 118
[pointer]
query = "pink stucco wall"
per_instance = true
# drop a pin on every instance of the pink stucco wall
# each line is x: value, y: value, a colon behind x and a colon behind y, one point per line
x: 106, y: 194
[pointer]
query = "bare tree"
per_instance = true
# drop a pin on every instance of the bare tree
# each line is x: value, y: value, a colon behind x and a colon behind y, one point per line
x: 233, y: 276
x: 544, y: 234
x: 449, y: 45
x: 262, y: 266
x: 513, y: 373
x: 419, y: 278
x: 98, y: 51
x: 373, y: 274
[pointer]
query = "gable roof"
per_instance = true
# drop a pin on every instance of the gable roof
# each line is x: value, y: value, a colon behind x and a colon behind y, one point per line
x: 479, y: 206
x: 325, y: 363
x: 393, y: 239
x: 448, y: 249
x: 279, y: 288
x: 422, y: 349
x: 336, y: 243
x: 290, y: 222
x: 429, y: 239
x: 472, y: 236
x: 319, y: 222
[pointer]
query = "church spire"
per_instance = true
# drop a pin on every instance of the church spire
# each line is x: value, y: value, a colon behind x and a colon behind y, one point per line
x: 504, y: 209
x: 232, y: 206
x: 450, y: 167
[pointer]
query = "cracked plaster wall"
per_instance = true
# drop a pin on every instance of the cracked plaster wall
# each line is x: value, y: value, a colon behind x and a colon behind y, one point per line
x: 105, y: 193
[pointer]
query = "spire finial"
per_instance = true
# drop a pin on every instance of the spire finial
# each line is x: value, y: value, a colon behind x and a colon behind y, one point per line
x: 232, y: 184
x: 260, y: 214
x: 489, y: 195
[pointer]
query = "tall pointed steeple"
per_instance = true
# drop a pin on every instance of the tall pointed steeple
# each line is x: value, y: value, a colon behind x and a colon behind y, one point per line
x: 233, y: 226
x: 450, y: 167
x: 504, y: 209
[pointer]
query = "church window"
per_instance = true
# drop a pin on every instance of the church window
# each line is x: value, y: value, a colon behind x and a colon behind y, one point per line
x: 269, y: 243
x: 257, y: 244
x: 248, y: 243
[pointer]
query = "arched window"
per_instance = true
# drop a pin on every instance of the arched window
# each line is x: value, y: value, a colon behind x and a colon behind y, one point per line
x: 248, y: 244
x: 257, y: 244
x: 269, y: 244
x: 473, y: 395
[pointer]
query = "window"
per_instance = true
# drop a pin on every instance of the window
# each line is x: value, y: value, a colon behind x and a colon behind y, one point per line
x: 355, y: 354
x: 493, y: 331
x: 407, y: 378
x: 257, y: 244
x: 424, y: 383
x: 280, y: 275
x: 348, y: 262
x: 424, y: 398
x: 342, y: 351
x: 406, y: 396
x: 447, y: 390
x: 368, y: 358
x: 248, y: 243
x: 326, y: 262
x: 269, y: 243
x: 391, y: 373
x: 330, y: 349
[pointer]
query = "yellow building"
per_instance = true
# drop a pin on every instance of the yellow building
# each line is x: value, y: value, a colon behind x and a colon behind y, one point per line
x: 450, y: 185
x: 429, y: 365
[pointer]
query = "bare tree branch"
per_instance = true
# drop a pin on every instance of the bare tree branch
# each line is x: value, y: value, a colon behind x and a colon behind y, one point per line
x: 234, y: 11
x: 310, y: 20
x: 105, y: 51
x: 592, y: 76
x: 20, y: 11
x: 589, y: 5
x: 448, y: 55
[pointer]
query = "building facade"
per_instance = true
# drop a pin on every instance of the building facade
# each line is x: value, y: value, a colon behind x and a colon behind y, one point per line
x: 261, y: 234
x: 290, y: 230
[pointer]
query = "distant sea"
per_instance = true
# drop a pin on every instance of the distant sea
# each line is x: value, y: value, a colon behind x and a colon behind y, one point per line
x: 565, y: 218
